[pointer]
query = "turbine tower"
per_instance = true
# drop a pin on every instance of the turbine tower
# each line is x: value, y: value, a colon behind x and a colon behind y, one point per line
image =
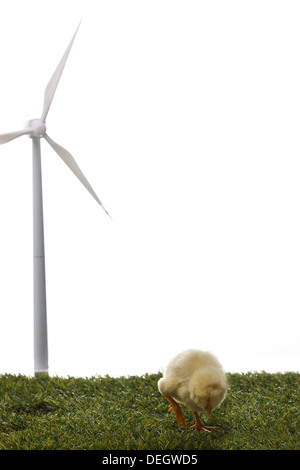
x: 36, y: 129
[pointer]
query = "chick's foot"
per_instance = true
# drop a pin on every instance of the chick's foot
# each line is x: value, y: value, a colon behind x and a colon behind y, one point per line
x: 178, y: 410
x: 200, y: 427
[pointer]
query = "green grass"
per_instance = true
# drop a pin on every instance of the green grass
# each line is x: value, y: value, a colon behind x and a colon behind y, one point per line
x: 260, y: 411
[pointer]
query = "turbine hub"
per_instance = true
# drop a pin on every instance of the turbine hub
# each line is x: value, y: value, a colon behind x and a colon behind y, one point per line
x: 38, y: 128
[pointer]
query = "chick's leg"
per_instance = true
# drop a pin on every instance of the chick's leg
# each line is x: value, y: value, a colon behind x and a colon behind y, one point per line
x: 178, y: 410
x: 199, y: 426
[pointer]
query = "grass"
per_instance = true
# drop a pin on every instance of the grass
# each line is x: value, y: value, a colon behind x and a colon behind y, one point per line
x: 260, y: 411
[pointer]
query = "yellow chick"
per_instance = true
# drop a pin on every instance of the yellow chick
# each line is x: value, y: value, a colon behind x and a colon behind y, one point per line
x: 196, y: 379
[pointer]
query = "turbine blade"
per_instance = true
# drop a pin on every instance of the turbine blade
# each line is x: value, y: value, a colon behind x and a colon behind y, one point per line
x: 4, y: 138
x: 54, y: 80
x: 71, y: 163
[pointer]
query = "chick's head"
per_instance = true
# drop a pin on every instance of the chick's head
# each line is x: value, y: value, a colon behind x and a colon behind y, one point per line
x: 208, y: 390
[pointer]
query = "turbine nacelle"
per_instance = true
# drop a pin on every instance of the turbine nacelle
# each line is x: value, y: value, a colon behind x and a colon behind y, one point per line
x: 36, y: 127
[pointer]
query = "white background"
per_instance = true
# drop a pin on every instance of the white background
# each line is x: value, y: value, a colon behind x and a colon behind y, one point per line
x: 185, y: 118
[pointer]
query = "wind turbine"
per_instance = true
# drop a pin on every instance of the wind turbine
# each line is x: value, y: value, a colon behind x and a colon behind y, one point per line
x: 36, y: 129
